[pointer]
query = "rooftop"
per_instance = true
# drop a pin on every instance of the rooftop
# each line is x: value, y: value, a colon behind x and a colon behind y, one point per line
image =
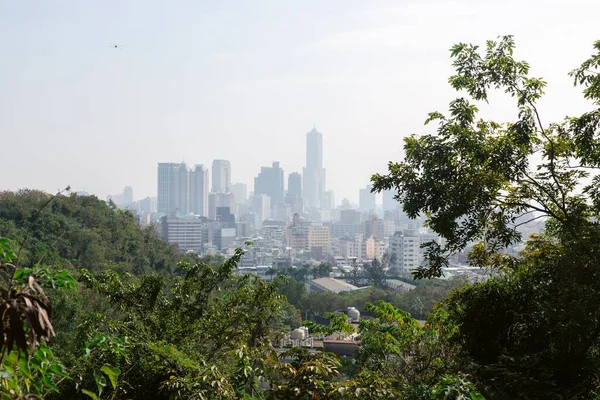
x: 332, y: 285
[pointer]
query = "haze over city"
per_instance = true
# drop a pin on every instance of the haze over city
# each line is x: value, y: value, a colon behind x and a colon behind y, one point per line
x: 198, y: 81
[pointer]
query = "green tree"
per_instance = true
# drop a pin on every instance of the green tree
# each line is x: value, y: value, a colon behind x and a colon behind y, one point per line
x: 473, y: 179
x: 322, y: 270
x: 375, y: 272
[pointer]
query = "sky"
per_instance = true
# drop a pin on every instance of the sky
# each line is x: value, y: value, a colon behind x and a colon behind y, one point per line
x: 245, y: 81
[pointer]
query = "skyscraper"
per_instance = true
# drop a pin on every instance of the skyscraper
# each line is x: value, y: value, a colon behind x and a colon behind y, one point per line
x: 128, y: 195
x: 314, y: 173
x: 173, y: 188
x: 199, y: 190
x: 294, y: 193
x: 295, y: 185
x: 270, y: 182
x: 221, y: 176
x: 389, y: 203
x: 182, y: 191
x: 366, y: 200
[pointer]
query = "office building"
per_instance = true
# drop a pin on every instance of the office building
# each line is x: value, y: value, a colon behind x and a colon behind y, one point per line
x: 366, y: 200
x: 199, y: 191
x: 173, y: 188
x: 314, y: 173
x: 216, y: 200
x: 389, y: 203
x: 221, y: 176
x: 270, y: 182
x: 128, y: 195
x: 262, y: 208
x: 295, y: 184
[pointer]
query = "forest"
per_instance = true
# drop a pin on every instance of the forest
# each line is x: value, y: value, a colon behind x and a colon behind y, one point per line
x: 93, y: 306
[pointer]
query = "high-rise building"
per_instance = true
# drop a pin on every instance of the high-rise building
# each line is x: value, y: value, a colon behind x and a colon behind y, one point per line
x: 221, y: 176
x: 148, y: 205
x: 328, y: 201
x: 366, y: 200
x: 295, y: 184
x: 405, y: 247
x: 199, y: 190
x: 216, y: 200
x: 314, y: 173
x: 182, y: 193
x: 173, y: 188
x: 389, y: 203
x: 128, y: 195
x: 270, y: 182
x: 240, y: 191
x: 294, y: 193
x: 262, y: 207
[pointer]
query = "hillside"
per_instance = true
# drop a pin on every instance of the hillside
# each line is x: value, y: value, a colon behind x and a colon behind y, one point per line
x: 81, y: 232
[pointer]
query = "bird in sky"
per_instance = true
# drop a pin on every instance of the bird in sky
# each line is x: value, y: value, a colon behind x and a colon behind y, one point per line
x: 116, y: 46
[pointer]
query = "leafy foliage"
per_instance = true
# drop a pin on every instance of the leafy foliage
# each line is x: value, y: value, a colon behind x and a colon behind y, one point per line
x: 531, y: 332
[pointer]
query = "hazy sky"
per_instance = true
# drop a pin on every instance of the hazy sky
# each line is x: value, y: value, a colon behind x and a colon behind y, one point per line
x: 245, y: 80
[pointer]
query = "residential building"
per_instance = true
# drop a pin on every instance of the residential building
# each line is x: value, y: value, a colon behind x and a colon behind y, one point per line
x: 349, y: 216
x: 318, y: 236
x: 405, y: 246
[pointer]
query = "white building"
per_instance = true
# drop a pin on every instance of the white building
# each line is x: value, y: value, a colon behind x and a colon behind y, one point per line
x: 406, y: 247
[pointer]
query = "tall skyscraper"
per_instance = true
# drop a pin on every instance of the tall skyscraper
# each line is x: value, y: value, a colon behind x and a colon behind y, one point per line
x: 173, y: 188
x: 366, y: 200
x: 199, y: 190
x: 270, y: 182
x: 389, y: 203
x: 182, y: 193
x: 314, y: 173
x: 128, y: 195
x: 295, y: 184
x: 221, y: 176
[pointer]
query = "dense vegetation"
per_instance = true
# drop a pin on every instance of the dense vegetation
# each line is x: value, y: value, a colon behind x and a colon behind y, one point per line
x: 81, y: 232
x: 94, y: 306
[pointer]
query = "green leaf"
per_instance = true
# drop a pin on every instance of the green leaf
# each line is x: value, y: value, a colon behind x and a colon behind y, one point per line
x: 48, y: 382
x: 24, y: 368
x: 58, y: 369
x: 91, y: 394
x: 100, y: 382
x: 112, y: 373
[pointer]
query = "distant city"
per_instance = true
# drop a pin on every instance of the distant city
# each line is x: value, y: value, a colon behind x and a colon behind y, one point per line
x: 300, y: 224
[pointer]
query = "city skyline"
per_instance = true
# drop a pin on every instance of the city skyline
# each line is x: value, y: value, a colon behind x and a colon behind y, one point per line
x: 245, y: 82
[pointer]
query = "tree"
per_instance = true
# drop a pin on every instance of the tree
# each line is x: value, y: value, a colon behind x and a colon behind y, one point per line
x: 473, y: 180
x: 355, y: 275
x: 375, y: 272
x: 324, y: 269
